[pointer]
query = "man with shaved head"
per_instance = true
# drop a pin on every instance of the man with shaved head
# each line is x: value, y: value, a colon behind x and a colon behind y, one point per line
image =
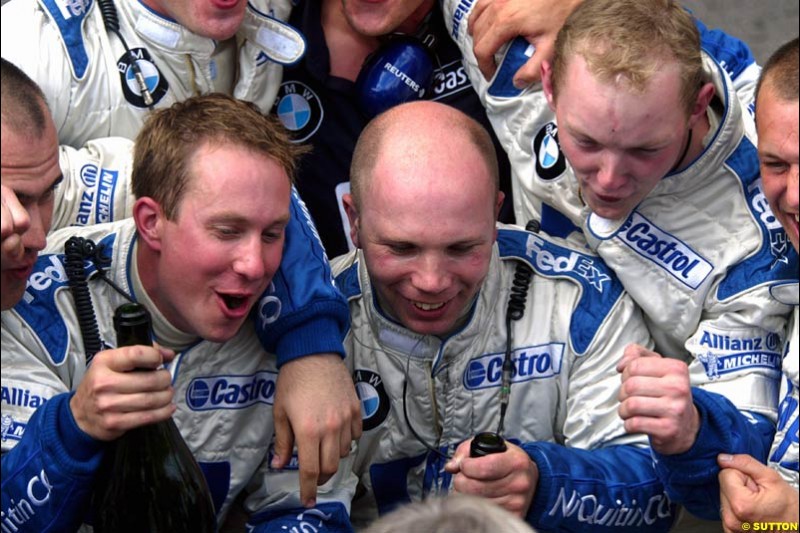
x: 438, y: 359
x: 30, y: 172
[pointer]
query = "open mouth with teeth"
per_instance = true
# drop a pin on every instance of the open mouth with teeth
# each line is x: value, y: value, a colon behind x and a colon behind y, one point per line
x: 428, y: 307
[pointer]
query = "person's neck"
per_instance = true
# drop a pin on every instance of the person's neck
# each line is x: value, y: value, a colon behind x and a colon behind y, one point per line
x: 144, y: 279
x: 155, y: 5
x: 699, y: 132
x: 146, y: 271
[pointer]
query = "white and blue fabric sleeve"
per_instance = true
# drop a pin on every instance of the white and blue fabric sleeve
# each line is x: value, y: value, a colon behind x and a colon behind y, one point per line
x: 735, y: 57
x: 691, y: 478
x: 597, y: 490
x: 48, y: 476
x: 274, y: 500
x: 302, y: 312
x: 600, y: 477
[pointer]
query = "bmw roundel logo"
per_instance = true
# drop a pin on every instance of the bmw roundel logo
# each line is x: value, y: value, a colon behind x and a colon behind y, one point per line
x: 550, y: 160
x: 149, y: 72
x: 299, y: 110
x: 197, y: 394
x: 370, y: 400
x: 294, y: 112
x: 374, y: 400
x: 548, y: 155
x: 153, y: 80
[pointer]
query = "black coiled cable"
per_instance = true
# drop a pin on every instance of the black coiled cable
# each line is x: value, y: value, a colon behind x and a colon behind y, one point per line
x: 111, y: 21
x: 515, y: 310
x: 75, y: 250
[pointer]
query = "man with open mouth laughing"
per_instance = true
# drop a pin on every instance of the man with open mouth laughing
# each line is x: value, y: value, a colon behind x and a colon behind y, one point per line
x: 212, y: 177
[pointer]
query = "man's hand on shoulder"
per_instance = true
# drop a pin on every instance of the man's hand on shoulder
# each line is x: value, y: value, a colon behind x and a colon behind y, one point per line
x: 493, y: 23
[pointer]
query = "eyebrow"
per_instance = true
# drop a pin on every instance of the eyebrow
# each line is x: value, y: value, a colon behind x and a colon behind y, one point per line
x: 651, y: 145
x: 24, y: 197
x: 234, y: 218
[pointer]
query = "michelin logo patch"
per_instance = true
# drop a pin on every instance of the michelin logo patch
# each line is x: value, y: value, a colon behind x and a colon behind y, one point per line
x: 98, y: 197
x: 374, y: 400
x: 231, y: 392
x: 19, y: 398
x: 724, y: 353
x: 299, y: 110
x: 156, y: 83
x: 533, y: 362
x: 11, y: 429
x: 666, y: 251
x: 550, y: 161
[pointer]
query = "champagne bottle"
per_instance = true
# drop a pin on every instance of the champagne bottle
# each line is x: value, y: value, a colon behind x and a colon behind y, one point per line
x: 149, y: 480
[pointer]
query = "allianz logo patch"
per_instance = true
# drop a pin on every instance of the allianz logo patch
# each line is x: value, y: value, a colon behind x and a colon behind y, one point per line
x: 22, y: 397
x: 460, y: 14
x: 231, y: 392
x: 533, y: 362
x: 683, y: 263
x: 725, y: 354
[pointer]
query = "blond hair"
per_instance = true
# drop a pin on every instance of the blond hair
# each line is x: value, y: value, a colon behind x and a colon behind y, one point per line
x: 170, y: 137
x: 632, y: 40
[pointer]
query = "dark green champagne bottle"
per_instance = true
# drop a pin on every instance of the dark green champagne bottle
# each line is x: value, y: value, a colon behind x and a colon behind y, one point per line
x: 149, y: 481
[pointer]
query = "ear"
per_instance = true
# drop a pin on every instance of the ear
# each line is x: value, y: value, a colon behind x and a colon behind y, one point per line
x: 702, y: 102
x: 150, y: 221
x: 499, y: 204
x: 547, y: 84
x: 352, y: 216
x: 500, y: 197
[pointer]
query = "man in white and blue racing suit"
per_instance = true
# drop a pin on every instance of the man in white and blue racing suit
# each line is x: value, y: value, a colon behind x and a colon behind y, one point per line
x: 697, y: 247
x: 90, y: 79
x: 85, y: 70
x: 63, y: 403
x: 775, y: 498
x: 429, y: 287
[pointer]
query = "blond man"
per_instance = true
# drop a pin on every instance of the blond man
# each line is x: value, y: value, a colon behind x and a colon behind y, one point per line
x: 641, y: 145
